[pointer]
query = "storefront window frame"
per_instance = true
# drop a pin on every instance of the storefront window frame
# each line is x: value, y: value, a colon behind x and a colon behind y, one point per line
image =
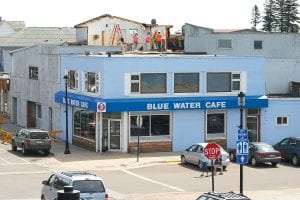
x: 151, y: 137
x: 73, y: 125
x: 217, y: 135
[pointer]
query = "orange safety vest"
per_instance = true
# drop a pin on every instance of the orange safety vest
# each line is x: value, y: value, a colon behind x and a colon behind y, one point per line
x: 158, y: 37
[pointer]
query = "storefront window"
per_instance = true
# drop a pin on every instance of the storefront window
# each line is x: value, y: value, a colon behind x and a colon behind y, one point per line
x: 215, y: 124
x: 154, y: 126
x: 84, y: 123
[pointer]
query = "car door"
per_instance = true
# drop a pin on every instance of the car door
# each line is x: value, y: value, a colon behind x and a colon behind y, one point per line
x: 18, y: 139
x: 195, y: 154
x: 283, y: 147
x: 48, y: 189
x: 251, y: 151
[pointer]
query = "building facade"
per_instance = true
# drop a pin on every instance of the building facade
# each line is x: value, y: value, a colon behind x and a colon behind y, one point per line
x: 35, y: 78
x: 163, y: 102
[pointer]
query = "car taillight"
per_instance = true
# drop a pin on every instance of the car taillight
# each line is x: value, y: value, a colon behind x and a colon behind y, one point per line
x: 28, y: 141
x: 49, y: 141
x: 106, y: 197
x: 263, y: 154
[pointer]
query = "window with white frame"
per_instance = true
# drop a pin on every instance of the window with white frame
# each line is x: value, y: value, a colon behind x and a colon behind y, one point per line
x: 148, y: 83
x: 215, y: 124
x: 282, y: 121
x: 91, y: 80
x: 186, y: 83
x: 224, y: 44
x: 73, y: 79
x: 223, y: 82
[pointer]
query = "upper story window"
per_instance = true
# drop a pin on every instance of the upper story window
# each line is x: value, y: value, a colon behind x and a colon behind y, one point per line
x: 33, y: 73
x: 223, y: 82
x: 186, y: 83
x: 91, y: 81
x: 73, y: 79
x: 148, y: 83
x: 258, y: 44
x: 282, y: 121
x: 224, y: 44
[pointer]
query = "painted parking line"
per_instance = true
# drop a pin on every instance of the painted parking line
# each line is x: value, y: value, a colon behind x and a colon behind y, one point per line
x: 153, y: 181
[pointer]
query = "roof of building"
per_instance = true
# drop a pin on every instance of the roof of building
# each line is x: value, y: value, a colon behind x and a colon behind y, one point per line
x: 34, y: 35
x: 83, y: 24
x: 16, y: 25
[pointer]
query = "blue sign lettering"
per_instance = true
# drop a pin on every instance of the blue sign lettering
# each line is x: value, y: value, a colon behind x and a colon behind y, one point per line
x: 217, y: 104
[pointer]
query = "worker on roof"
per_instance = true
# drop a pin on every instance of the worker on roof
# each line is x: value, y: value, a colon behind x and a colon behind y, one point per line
x: 158, y: 40
x: 135, y: 41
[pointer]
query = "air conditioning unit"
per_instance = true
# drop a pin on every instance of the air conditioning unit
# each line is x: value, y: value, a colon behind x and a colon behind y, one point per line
x: 295, y: 88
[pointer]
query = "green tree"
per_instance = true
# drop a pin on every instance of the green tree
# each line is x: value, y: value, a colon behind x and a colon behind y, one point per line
x: 256, y: 18
x: 269, y: 18
x: 290, y: 17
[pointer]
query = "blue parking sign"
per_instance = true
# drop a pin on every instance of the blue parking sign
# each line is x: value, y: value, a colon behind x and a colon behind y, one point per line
x: 242, y: 134
x: 242, y: 159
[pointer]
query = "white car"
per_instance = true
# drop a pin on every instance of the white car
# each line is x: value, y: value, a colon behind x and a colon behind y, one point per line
x: 195, y: 152
x: 90, y: 186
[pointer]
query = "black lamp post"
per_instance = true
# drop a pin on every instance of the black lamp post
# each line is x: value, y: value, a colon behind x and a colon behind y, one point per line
x: 67, y: 150
x: 241, y: 102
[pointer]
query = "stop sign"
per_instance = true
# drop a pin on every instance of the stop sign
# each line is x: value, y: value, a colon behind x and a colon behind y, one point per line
x: 212, y: 151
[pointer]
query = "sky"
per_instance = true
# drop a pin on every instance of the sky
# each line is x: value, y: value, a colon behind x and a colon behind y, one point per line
x: 216, y: 14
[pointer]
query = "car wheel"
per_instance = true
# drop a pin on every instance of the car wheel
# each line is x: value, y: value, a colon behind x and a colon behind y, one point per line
x: 24, y: 151
x: 253, y: 161
x: 42, y: 197
x: 295, y: 160
x: 183, y: 160
x: 46, y: 152
x: 231, y: 156
x: 274, y: 164
x: 13, y: 146
x: 224, y: 168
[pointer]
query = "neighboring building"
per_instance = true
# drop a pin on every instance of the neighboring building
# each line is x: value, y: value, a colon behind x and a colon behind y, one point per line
x: 282, y: 51
x: 27, y: 36
x: 35, y: 78
x: 107, y: 30
x: 176, y: 99
x: 10, y: 27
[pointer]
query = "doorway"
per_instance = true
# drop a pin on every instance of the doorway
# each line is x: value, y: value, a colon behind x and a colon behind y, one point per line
x: 253, y: 119
x: 111, y: 135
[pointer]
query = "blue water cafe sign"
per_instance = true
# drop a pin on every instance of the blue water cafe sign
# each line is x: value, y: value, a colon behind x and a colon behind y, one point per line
x: 157, y: 104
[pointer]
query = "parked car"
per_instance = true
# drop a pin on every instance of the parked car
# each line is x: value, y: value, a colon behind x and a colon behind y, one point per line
x: 31, y: 140
x: 289, y: 149
x: 222, y: 196
x: 260, y: 152
x: 90, y: 186
x: 195, y: 152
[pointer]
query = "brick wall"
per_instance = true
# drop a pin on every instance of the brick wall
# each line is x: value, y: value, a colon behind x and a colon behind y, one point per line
x: 84, y: 143
x: 146, y: 147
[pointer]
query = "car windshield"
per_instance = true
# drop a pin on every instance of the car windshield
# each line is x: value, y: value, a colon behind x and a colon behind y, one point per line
x: 39, y: 135
x: 89, y: 186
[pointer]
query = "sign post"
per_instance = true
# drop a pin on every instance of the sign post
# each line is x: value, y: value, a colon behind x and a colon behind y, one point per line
x: 139, y: 123
x: 212, y: 151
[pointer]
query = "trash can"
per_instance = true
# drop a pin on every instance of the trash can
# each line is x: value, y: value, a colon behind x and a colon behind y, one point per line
x: 68, y: 194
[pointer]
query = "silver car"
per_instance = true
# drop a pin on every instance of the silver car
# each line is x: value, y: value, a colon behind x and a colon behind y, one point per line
x: 90, y: 186
x: 195, y: 152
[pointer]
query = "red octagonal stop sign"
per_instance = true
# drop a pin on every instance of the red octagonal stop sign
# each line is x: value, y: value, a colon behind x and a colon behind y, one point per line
x: 212, y: 151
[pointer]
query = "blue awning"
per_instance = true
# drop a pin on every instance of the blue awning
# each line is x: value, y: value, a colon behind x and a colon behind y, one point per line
x: 154, y: 104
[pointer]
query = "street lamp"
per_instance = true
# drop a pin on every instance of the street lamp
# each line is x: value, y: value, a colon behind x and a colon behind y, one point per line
x: 241, y: 103
x: 67, y: 150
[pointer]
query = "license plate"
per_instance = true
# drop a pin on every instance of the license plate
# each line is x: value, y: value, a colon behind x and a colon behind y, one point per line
x: 271, y: 155
x: 39, y: 142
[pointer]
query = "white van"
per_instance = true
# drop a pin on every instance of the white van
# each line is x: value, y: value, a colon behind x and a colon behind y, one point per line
x: 90, y: 186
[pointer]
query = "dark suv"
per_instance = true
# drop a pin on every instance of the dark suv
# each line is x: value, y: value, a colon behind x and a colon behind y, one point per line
x: 289, y: 149
x: 31, y: 140
x: 222, y: 196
